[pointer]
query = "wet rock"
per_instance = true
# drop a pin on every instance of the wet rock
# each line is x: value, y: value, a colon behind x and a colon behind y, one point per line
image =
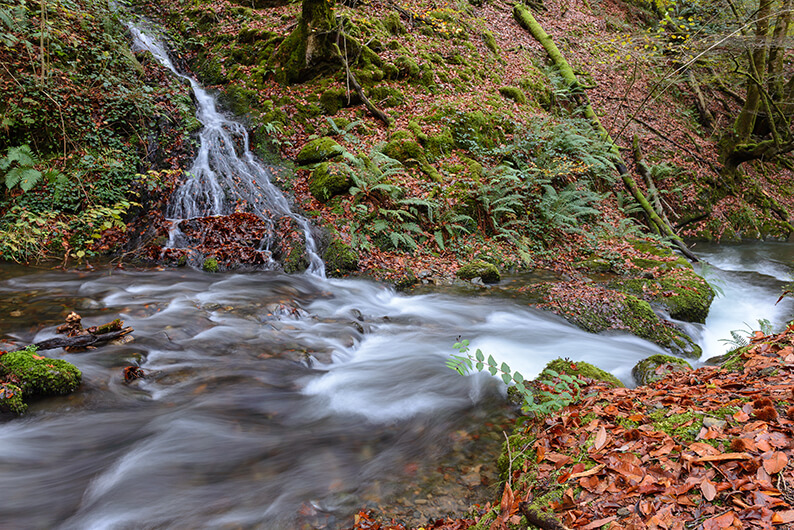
x: 487, y: 272
x: 656, y: 367
x: 318, y: 150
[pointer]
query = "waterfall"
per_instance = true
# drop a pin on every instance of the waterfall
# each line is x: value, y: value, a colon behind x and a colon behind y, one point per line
x: 225, y: 177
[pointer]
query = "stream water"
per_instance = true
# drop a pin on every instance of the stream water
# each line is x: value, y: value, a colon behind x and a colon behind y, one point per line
x: 276, y: 401
x: 279, y: 401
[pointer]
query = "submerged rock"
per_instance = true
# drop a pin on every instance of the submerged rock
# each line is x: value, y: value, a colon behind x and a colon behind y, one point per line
x: 657, y: 366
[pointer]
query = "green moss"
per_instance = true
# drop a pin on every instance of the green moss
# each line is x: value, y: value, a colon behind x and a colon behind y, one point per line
x: 318, y: 150
x: 11, y: 399
x: 404, y: 149
x: 490, y: 41
x: 514, y: 93
x: 582, y: 369
x: 656, y: 367
x: 340, y: 259
x: 332, y: 100
x: 330, y: 179
x: 408, y: 67
x: 487, y: 272
x: 440, y: 144
x: 686, y: 295
x: 386, y: 96
x: 210, y: 265
x: 297, y: 260
x: 38, y: 375
x: 393, y: 24
x: 683, y: 427
x: 472, y: 130
x: 239, y: 100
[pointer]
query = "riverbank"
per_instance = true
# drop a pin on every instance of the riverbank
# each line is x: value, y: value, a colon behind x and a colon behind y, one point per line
x: 713, y: 447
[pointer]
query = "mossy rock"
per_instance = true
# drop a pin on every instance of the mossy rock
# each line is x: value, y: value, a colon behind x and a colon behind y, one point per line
x: 487, y: 272
x: 594, y: 263
x: 683, y: 293
x: 471, y: 130
x: 318, y: 150
x: 656, y: 367
x: 40, y: 376
x: 340, y: 259
x: 625, y: 313
x: 514, y: 93
x: 330, y: 179
x: 11, y: 399
x: 490, y: 41
x: 297, y: 260
x: 404, y: 149
x: 210, y: 265
x: 440, y: 144
x: 386, y: 96
x: 582, y: 369
x: 408, y: 67
x: 333, y: 99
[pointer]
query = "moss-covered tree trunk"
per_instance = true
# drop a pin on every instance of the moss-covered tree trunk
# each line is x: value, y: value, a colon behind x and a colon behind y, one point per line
x: 309, y: 50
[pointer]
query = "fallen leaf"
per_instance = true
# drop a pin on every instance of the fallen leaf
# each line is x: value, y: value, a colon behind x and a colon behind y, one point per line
x: 708, y: 490
x: 722, y: 521
x: 775, y: 462
x: 600, y: 439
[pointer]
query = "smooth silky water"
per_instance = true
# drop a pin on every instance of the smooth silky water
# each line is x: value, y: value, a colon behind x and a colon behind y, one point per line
x: 278, y: 401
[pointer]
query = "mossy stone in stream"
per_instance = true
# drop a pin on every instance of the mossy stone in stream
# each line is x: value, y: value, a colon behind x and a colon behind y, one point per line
x: 686, y: 295
x: 40, y: 376
x: 487, y: 272
x: 330, y: 179
x: 297, y: 260
x: 318, y: 150
x: 655, y: 367
x: 11, y: 399
x: 339, y: 259
x: 581, y: 369
x: 210, y: 265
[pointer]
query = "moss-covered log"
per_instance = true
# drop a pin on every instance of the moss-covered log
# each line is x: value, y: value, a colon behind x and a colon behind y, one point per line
x: 524, y: 17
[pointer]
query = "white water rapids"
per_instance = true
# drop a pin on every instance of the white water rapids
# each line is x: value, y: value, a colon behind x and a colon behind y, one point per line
x: 272, y: 396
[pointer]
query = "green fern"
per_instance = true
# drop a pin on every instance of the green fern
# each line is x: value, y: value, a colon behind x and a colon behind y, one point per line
x: 24, y: 173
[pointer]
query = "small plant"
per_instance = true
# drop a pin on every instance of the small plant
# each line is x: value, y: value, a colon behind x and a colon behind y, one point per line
x: 741, y: 337
x: 553, y: 391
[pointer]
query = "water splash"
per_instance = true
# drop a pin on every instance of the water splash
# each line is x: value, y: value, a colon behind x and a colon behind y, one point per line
x: 225, y: 177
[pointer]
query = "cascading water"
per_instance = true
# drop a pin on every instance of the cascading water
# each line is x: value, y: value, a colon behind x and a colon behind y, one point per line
x: 225, y: 176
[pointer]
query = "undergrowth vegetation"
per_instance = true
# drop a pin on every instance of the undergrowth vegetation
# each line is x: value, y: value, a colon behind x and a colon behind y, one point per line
x: 81, y: 116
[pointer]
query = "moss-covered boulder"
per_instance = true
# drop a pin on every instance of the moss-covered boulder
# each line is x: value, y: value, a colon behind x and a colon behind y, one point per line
x: 682, y: 292
x: 514, y: 93
x: 581, y: 369
x: 596, y: 309
x: 340, y: 259
x: 487, y: 272
x: 297, y: 259
x: 656, y: 367
x: 318, y: 150
x: 472, y: 130
x: 11, y: 399
x: 36, y: 375
x: 329, y: 180
x: 404, y: 149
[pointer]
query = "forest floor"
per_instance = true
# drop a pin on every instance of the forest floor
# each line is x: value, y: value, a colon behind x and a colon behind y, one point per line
x: 711, y: 448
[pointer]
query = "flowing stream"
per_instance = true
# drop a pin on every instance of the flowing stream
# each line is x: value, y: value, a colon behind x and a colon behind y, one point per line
x: 276, y: 401
x: 279, y: 401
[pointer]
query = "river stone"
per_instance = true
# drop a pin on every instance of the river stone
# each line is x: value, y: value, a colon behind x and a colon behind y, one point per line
x: 478, y: 268
x: 657, y: 366
x: 318, y: 150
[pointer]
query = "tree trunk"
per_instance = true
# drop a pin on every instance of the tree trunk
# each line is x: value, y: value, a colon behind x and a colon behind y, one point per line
x: 756, y: 56
x: 309, y: 50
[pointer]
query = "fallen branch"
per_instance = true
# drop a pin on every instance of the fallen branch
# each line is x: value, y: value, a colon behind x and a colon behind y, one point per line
x: 540, y: 519
x: 375, y: 111
x: 645, y: 173
x: 78, y: 339
x: 706, y: 117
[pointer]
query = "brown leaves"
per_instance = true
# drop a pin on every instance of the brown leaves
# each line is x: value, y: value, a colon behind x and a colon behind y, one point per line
x: 692, y: 449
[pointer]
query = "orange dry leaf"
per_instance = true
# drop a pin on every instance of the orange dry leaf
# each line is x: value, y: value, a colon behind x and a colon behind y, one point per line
x: 775, y: 462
